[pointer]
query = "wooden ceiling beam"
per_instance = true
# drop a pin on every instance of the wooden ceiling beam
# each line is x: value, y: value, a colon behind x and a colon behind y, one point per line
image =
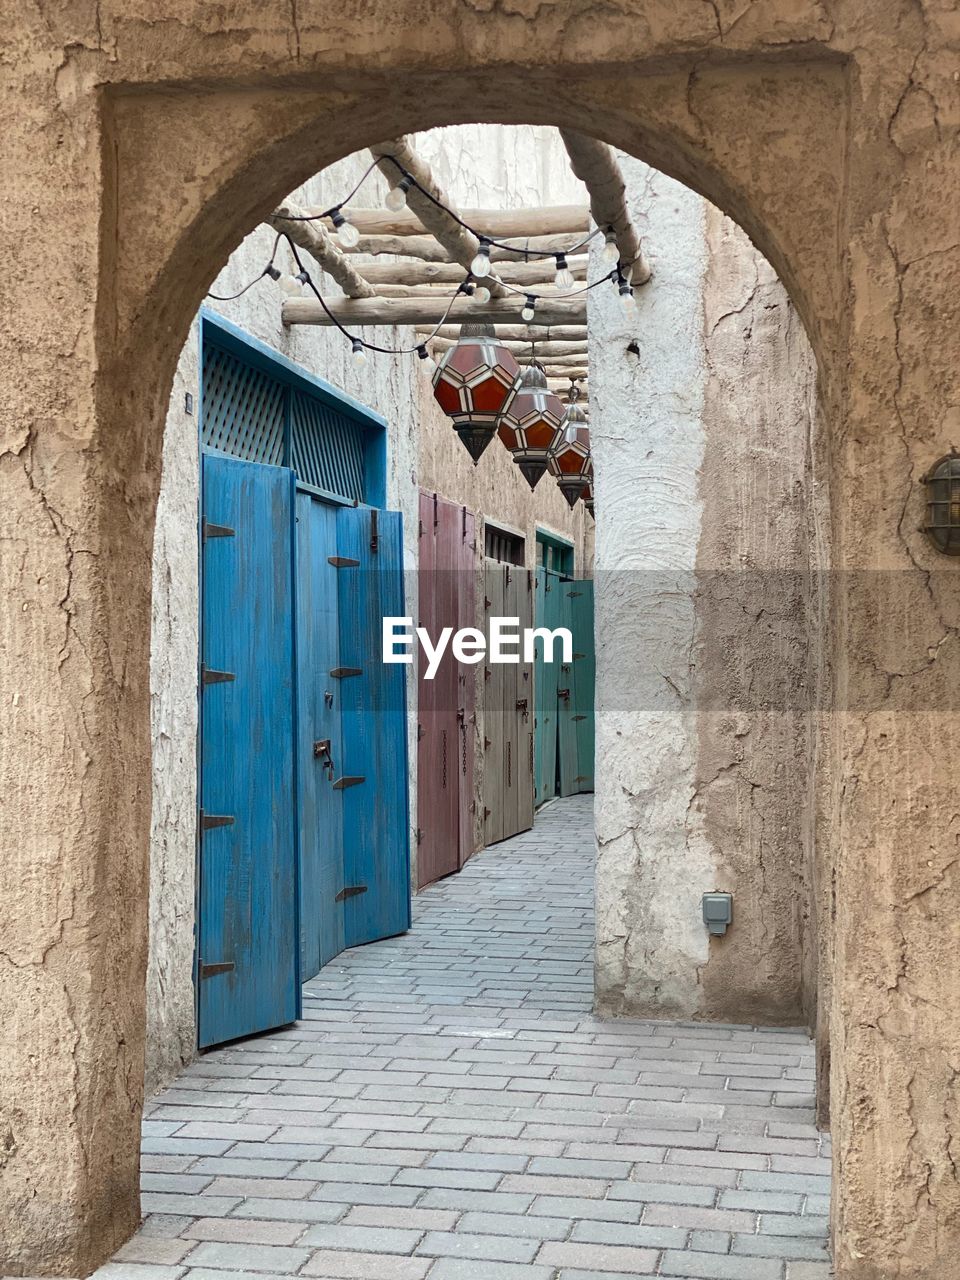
x: 360, y: 312
x: 460, y: 243
x: 411, y: 273
x: 311, y: 237
x: 522, y: 332
x: 539, y: 350
x: 568, y: 220
x: 428, y: 249
x: 596, y: 166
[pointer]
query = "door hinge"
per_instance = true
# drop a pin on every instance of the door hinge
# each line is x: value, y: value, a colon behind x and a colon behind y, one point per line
x: 579, y: 655
x: 210, y: 530
x: 350, y: 780
x: 339, y: 673
x: 421, y: 733
x: 374, y: 531
x: 351, y: 891
x: 343, y: 562
x: 211, y: 970
x: 210, y: 820
x: 579, y: 717
x: 574, y: 594
x: 209, y: 676
x: 419, y: 835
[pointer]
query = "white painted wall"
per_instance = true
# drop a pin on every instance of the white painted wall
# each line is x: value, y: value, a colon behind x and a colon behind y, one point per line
x: 647, y: 429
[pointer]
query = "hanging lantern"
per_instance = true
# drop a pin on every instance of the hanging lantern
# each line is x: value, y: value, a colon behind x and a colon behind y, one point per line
x: 586, y: 493
x: 570, y: 459
x: 532, y: 424
x: 474, y: 383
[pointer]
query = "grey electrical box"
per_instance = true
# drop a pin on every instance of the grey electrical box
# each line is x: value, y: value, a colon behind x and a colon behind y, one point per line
x: 718, y: 912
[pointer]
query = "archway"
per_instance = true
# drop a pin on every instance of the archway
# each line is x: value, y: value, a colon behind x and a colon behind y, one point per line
x: 172, y: 206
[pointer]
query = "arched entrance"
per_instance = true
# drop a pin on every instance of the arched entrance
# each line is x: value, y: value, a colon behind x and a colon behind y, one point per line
x: 137, y: 225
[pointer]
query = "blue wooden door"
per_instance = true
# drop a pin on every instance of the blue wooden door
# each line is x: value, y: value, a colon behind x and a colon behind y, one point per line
x: 372, y: 776
x: 248, y: 978
x: 319, y: 754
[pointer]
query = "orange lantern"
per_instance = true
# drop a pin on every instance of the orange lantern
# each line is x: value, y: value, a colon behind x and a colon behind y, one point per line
x: 570, y: 460
x: 532, y: 424
x: 473, y: 384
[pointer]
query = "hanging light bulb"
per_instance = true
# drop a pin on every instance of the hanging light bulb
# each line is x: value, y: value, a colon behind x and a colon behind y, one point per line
x: 397, y: 196
x: 347, y: 233
x: 480, y: 266
x: 359, y: 354
x: 428, y: 366
x: 628, y: 302
x: 293, y: 285
x: 481, y: 293
x: 611, y: 250
x: 530, y: 308
x: 564, y: 276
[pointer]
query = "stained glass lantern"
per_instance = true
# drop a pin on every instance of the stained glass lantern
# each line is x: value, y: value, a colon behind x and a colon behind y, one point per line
x: 532, y: 424
x: 474, y: 383
x: 942, y: 525
x: 570, y: 460
x: 586, y: 493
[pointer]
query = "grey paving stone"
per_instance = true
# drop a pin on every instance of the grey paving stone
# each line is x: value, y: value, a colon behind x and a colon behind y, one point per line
x: 453, y: 1087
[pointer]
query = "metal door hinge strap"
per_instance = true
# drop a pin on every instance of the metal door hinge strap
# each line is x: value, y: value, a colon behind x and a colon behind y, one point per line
x: 374, y: 530
x: 574, y: 594
x: 210, y: 820
x: 338, y: 673
x: 348, y: 781
x: 351, y: 891
x: 342, y: 562
x: 210, y: 530
x: 211, y: 970
x: 419, y: 835
x: 579, y: 717
x: 209, y: 676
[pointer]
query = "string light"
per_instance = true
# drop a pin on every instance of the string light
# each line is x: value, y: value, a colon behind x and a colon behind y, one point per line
x: 480, y: 266
x: 530, y: 308
x: 397, y: 196
x: 611, y: 250
x: 564, y: 276
x: 293, y: 285
x: 428, y: 365
x: 481, y: 293
x: 628, y: 302
x: 359, y: 355
x: 347, y: 233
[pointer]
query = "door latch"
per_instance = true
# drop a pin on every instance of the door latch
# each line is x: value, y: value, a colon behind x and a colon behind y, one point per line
x: 321, y: 751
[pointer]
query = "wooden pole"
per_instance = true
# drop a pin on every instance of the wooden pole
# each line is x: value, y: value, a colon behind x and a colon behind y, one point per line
x: 596, y: 166
x: 428, y: 249
x: 407, y: 273
x: 460, y: 243
x: 542, y: 289
x: 361, y: 312
x: 538, y: 350
x: 522, y: 332
x: 569, y: 221
x: 312, y: 237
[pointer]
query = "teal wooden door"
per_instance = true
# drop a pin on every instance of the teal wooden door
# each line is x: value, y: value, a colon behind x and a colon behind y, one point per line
x: 247, y: 928
x: 375, y: 772
x: 319, y: 742
x: 584, y: 680
x: 564, y: 691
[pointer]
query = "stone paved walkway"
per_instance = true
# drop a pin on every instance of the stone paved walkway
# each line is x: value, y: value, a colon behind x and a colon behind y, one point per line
x: 449, y: 1109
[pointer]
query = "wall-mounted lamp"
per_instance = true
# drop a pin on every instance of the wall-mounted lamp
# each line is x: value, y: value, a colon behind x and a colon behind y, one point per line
x: 942, y: 524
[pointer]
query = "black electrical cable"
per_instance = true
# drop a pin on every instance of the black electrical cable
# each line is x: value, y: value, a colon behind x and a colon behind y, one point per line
x: 229, y: 297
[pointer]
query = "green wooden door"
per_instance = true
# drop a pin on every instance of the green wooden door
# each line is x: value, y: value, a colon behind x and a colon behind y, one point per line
x: 564, y: 691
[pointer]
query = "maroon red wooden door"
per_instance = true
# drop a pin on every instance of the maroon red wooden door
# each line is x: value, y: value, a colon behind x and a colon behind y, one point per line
x: 445, y: 751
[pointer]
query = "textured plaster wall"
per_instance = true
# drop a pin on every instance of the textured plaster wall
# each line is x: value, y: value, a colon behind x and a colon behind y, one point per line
x: 142, y: 142
x: 486, y: 166
x: 702, y: 623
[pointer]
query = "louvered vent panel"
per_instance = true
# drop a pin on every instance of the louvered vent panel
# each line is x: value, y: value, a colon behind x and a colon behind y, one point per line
x: 242, y: 409
x: 327, y: 447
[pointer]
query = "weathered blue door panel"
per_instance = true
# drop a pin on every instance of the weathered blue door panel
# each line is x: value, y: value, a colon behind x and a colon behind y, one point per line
x: 248, y: 975
x: 376, y: 827
x: 319, y: 754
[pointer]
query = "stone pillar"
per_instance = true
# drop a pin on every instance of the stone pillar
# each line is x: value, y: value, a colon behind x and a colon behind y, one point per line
x: 75, y: 522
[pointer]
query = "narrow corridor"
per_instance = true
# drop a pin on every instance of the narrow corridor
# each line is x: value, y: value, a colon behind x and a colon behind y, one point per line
x: 449, y: 1109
